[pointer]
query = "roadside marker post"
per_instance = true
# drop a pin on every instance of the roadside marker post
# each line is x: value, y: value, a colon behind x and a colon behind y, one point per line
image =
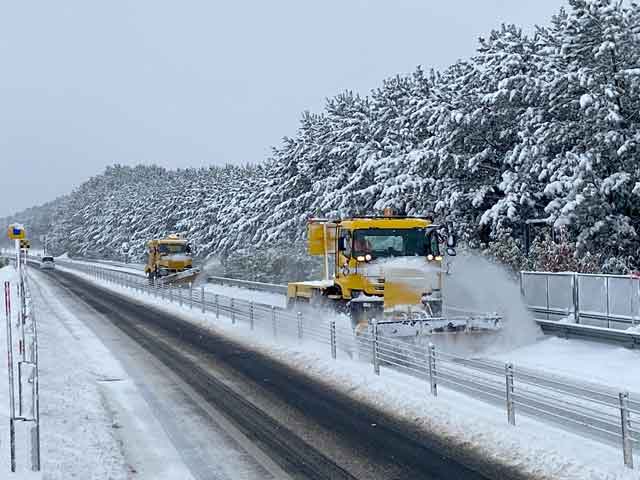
x: 12, y: 408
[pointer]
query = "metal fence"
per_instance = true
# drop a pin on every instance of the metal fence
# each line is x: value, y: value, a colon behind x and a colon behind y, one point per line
x: 590, y: 410
x: 22, y: 365
x: 610, y: 301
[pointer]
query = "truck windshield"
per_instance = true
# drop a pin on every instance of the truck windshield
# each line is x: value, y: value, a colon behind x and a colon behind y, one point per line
x: 171, y: 248
x: 401, y: 242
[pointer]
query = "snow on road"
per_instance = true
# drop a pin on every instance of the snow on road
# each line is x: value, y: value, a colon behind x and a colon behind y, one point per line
x: 165, y: 430
x: 533, y: 447
x: 94, y: 422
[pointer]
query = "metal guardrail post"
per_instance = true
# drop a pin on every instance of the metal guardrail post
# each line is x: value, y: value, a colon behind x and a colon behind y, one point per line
x: 606, y: 283
x: 636, y: 318
x: 433, y: 383
x: 547, y: 283
x: 299, y: 321
x: 522, y: 292
x: 625, y: 423
x: 202, y: 303
x: 233, y: 312
x: 274, y: 322
x: 575, y: 288
x: 332, y: 332
x: 217, y: 299
x: 511, y: 412
x: 374, y: 347
x: 35, y: 431
x: 251, y: 319
x: 35, y: 449
x: 12, y: 429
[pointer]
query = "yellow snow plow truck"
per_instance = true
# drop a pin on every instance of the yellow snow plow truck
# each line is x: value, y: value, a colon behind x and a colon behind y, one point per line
x: 389, y: 268
x: 170, y: 260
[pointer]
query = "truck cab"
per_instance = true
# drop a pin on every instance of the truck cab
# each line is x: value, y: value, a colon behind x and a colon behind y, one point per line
x: 381, y: 267
x: 168, y: 256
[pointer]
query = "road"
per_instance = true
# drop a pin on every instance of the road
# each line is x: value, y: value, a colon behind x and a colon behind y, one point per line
x: 280, y: 420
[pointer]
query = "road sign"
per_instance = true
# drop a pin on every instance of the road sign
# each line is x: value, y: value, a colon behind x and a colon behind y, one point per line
x: 17, y: 232
x: 25, y: 244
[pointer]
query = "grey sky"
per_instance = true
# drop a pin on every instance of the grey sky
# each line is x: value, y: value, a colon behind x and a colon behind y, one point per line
x: 85, y: 84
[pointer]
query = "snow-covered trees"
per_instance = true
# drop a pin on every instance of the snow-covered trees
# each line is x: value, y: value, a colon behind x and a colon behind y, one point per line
x: 542, y: 126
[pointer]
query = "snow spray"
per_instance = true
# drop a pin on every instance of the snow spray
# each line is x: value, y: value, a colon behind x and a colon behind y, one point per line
x: 212, y: 267
x: 476, y: 284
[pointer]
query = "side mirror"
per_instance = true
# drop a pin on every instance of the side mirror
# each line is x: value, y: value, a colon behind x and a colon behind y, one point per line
x: 341, y: 244
x: 451, y: 251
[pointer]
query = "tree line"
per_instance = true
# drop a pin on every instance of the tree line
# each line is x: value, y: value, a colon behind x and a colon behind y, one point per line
x: 539, y: 127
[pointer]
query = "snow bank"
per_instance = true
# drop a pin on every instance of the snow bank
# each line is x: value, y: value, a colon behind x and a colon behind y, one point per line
x: 587, y: 361
x: 23, y: 462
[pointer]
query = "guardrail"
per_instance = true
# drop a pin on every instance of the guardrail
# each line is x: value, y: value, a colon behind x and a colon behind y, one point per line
x: 549, y: 327
x: 550, y: 292
x: 611, y: 301
x: 591, y: 410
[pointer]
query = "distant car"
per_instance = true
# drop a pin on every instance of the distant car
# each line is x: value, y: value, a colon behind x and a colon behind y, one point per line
x: 47, y: 263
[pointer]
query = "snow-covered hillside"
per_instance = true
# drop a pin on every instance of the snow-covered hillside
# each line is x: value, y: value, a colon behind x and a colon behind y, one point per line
x: 531, y: 127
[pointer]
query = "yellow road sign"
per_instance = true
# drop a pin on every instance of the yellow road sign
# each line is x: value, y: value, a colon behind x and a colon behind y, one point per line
x: 17, y: 232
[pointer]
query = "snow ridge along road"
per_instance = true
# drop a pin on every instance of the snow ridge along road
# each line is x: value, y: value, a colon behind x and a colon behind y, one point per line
x: 370, y: 436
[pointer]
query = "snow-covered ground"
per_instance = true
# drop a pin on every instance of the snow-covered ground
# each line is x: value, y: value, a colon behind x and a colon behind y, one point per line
x: 610, y: 365
x: 94, y: 422
x: 536, y: 448
x: 109, y: 411
x: 23, y: 461
x: 265, y: 298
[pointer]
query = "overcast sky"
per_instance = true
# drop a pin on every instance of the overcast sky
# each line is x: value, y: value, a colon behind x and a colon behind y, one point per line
x: 84, y: 84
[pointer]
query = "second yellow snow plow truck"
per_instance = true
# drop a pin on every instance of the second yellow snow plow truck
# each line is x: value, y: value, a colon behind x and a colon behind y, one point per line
x: 388, y: 268
x: 170, y: 260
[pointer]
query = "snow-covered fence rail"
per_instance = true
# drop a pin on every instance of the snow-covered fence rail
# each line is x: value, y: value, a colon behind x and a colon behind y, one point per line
x: 591, y: 410
x: 609, y: 301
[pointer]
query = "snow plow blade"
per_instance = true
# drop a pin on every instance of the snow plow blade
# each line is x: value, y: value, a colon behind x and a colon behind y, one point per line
x: 417, y: 327
x: 187, y: 276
